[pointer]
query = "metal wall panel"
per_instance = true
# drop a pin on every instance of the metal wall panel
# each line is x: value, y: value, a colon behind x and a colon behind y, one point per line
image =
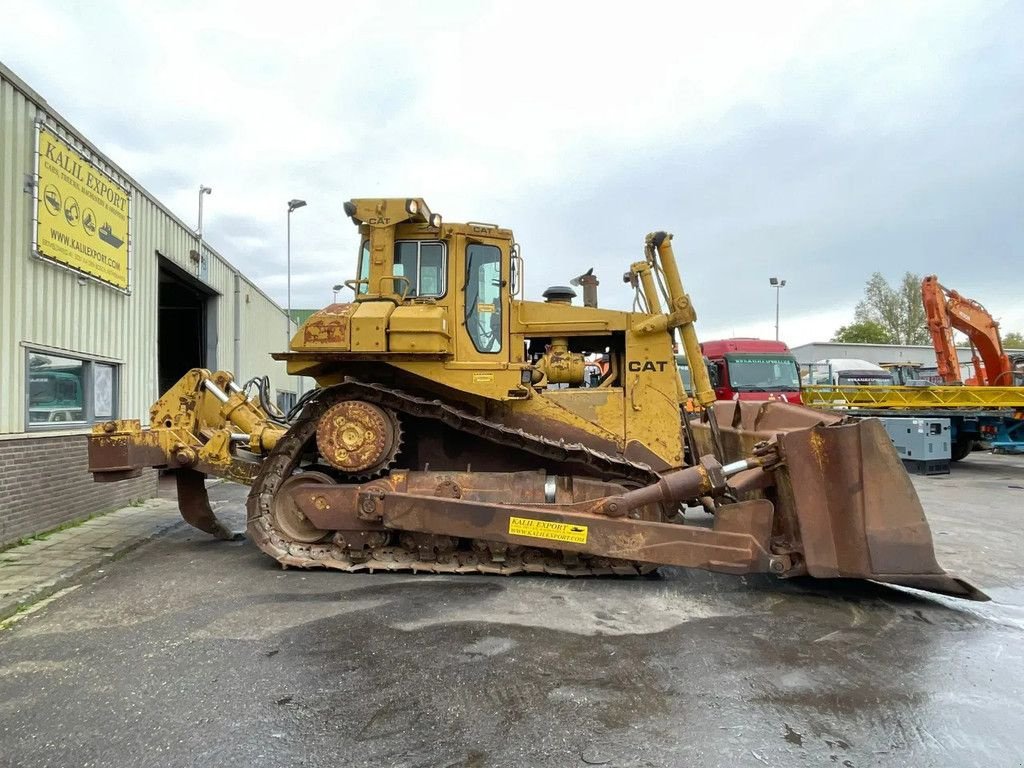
x: 922, y: 354
x: 45, y: 305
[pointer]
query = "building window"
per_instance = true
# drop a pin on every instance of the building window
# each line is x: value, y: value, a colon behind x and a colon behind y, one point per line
x: 286, y: 401
x: 69, y: 391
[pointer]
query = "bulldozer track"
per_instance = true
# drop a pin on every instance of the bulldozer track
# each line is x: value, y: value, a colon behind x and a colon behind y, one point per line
x: 479, y: 557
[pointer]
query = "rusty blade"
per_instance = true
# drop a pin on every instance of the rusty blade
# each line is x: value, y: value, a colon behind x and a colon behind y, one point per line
x: 843, y: 499
x: 859, y: 515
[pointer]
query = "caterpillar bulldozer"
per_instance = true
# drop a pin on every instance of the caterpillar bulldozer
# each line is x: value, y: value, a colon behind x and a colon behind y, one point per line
x: 453, y: 429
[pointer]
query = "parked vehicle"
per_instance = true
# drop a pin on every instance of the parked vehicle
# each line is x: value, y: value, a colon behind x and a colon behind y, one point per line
x: 691, y: 405
x: 979, y: 416
x: 435, y: 442
x: 752, y: 369
x: 908, y: 375
x: 947, y: 311
x: 54, y: 396
x: 842, y: 371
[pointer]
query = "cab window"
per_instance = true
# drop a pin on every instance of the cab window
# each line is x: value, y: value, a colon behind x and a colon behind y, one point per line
x: 483, y: 296
x: 432, y: 269
x: 423, y: 264
x: 364, y: 267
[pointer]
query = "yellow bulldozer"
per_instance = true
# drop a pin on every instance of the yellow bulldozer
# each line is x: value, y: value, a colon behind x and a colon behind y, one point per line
x: 454, y: 429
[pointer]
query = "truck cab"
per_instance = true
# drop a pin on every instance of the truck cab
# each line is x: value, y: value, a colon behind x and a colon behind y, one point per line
x: 752, y: 369
x: 686, y: 377
x: 55, y: 395
x: 848, y: 372
x: 907, y: 374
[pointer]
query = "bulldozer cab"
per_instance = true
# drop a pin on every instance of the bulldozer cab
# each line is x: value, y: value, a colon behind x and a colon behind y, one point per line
x: 409, y: 258
x: 436, y: 308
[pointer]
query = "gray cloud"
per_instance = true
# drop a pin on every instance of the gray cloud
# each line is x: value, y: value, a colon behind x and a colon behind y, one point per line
x: 820, y: 145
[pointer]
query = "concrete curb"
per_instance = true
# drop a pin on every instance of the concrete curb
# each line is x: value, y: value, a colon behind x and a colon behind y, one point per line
x: 11, y: 604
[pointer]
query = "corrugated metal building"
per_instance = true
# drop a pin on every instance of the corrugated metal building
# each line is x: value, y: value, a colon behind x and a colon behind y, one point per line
x: 903, y: 354
x: 77, y: 346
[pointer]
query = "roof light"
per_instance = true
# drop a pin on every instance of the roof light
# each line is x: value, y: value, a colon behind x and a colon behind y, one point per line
x: 435, y: 221
x: 412, y: 206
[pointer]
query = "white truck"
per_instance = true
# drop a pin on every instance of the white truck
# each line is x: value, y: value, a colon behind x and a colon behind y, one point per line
x: 842, y: 371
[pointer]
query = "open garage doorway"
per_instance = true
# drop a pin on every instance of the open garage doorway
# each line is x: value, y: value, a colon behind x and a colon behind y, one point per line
x: 187, y: 324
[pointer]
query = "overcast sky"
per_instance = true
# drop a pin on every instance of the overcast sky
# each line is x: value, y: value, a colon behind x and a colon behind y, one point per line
x: 814, y: 141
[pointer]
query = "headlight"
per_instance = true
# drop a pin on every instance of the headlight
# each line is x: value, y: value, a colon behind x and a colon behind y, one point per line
x: 412, y: 206
x: 435, y: 221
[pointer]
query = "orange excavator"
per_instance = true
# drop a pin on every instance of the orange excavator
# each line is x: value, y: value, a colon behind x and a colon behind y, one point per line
x: 946, y: 310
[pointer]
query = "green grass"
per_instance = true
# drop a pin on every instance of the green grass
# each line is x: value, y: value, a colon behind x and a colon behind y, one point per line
x: 44, y: 535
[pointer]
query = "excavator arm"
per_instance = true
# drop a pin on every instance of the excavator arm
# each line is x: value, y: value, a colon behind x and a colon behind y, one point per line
x: 947, y: 310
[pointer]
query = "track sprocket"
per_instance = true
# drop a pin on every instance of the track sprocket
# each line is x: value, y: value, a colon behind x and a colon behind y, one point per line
x: 359, y: 438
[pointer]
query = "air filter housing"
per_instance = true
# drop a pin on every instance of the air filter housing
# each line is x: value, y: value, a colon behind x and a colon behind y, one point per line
x: 559, y: 294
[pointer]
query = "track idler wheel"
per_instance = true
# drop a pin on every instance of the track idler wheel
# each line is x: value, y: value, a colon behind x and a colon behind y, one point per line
x: 358, y: 438
x: 288, y: 518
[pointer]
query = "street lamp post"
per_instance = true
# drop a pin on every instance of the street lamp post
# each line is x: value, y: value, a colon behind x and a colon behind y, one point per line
x: 778, y: 285
x: 336, y: 289
x: 292, y: 205
x: 203, y: 190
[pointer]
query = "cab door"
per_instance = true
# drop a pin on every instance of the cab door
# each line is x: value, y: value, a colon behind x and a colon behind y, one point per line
x: 484, y: 283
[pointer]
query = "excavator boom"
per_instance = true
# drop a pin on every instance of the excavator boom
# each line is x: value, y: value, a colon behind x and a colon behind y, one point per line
x: 946, y: 311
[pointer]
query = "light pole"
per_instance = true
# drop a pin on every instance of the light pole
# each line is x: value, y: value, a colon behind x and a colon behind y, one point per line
x: 292, y: 205
x: 778, y: 285
x: 336, y: 288
x: 203, y: 190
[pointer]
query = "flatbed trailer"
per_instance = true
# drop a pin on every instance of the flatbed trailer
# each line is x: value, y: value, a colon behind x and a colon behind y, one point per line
x: 992, y: 414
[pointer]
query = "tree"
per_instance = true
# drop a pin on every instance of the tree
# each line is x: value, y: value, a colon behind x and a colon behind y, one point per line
x: 897, y: 309
x: 1013, y: 340
x: 863, y: 332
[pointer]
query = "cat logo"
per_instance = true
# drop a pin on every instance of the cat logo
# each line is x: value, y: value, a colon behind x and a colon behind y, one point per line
x: 646, y: 365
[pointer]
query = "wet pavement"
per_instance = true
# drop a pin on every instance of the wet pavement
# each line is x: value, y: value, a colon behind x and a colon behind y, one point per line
x: 198, y: 652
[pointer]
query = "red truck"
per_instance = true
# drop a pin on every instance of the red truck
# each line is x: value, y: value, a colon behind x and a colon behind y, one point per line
x: 752, y: 369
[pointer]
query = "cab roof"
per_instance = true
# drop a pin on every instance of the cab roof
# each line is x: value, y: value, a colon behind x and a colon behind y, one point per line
x: 391, y: 211
x: 742, y: 345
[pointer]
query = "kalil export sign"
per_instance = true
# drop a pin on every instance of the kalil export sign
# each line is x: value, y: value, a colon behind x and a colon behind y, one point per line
x: 82, y: 213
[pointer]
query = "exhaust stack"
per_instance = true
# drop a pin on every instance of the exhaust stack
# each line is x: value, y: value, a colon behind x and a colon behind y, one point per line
x: 588, y: 282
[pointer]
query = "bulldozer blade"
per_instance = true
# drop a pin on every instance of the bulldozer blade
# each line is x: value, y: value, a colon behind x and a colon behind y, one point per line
x: 858, y: 513
x: 844, y: 502
x: 194, y: 505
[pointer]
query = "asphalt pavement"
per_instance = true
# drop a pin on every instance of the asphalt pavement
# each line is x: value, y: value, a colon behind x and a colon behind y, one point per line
x: 195, y: 652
